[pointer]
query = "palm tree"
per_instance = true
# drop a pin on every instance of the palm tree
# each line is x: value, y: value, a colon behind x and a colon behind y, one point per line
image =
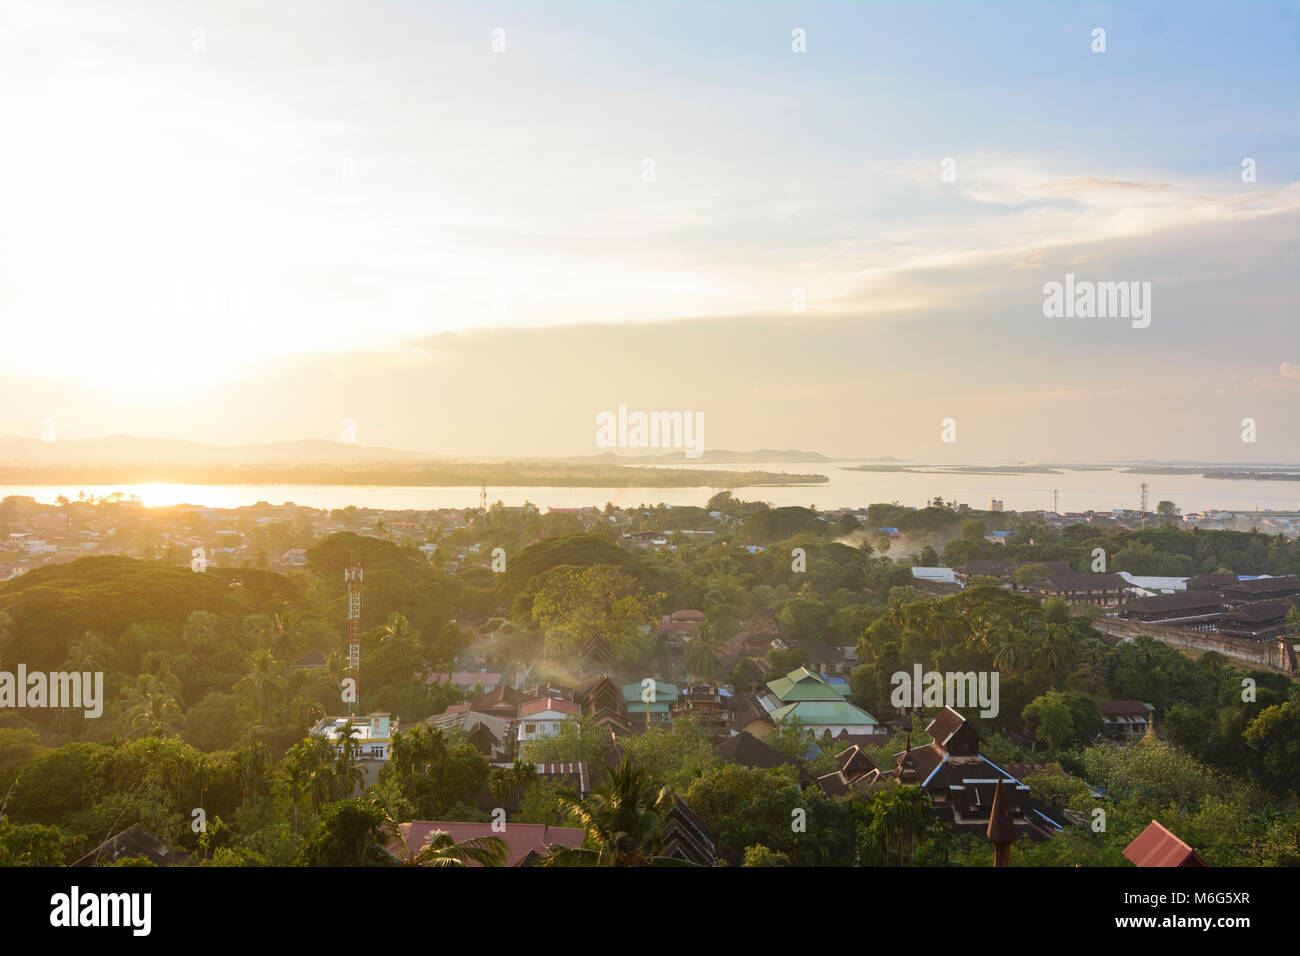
x: 87, y: 655
x: 702, y: 655
x: 298, y: 778
x: 441, y: 849
x: 153, y: 706
x: 947, y: 624
x: 311, y: 765
x: 320, y: 784
x: 500, y: 786
x: 264, y: 684
x: 903, y: 817
x: 621, y: 817
x: 347, y: 769
x: 397, y: 627
x: 1053, y: 651
x: 418, y: 751
x: 522, y: 773
x: 1010, y: 655
x: 286, y: 636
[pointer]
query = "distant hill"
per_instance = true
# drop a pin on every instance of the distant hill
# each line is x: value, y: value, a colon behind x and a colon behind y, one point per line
x: 130, y: 450
x: 55, y: 605
x: 714, y: 456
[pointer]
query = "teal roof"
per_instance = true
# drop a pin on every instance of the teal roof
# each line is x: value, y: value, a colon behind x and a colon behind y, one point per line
x: 803, y: 684
x: 664, y: 694
x: 824, y: 712
x: 638, y: 708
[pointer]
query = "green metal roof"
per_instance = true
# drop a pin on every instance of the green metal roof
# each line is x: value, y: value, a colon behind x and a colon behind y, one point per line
x: 820, y: 712
x: 803, y: 684
x: 638, y: 708
x: 664, y: 694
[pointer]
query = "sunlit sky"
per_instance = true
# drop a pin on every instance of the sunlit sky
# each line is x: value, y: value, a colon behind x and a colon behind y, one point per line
x: 241, y: 222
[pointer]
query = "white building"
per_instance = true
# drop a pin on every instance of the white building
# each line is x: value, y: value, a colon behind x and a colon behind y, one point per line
x: 542, y: 718
x: 373, y: 733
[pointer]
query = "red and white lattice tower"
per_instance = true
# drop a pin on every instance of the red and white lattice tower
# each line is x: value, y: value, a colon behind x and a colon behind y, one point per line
x: 353, y: 576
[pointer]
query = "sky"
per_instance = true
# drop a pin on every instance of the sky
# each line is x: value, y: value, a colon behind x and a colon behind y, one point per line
x: 471, y: 228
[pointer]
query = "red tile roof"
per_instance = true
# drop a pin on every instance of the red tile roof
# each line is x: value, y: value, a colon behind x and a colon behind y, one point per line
x: 1156, y: 846
x: 521, y: 838
x: 545, y: 704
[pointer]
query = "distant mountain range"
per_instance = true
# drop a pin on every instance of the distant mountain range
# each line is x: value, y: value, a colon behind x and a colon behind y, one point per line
x: 130, y: 450
x: 715, y: 456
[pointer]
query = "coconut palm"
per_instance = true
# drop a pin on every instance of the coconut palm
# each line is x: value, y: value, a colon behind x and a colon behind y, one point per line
x: 264, y: 684
x: 1053, y: 651
x: 311, y: 770
x: 396, y: 626
x: 1010, y: 653
x: 298, y: 776
x: 286, y: 636
x: 500, y: 786
x: 153, y: 705
x: 947, y: 624
x: 703, y: 655
x: 88, y: 655
x: 442, y: 849
x: 347, y: 769
x: 622, y: 817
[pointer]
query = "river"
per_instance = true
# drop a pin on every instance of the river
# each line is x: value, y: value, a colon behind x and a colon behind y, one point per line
x: 1099, y: 490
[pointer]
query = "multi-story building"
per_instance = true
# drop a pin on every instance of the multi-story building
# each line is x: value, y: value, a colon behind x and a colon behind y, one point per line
x: 373, y: 733
x: 541, y: 718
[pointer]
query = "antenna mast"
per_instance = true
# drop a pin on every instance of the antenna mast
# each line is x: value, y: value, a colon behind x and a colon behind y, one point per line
x: 353, y: 575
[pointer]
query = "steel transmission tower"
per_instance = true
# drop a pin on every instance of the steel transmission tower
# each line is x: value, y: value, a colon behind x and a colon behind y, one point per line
x: 353, y: 576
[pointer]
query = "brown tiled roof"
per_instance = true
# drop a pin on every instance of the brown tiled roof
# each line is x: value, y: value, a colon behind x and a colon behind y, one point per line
x: 945, y: 724
x: 1183, y: 600
x: 745, y: 708
x: 1199, y: 582
x: 588, y: 684
x: 1074, y: 581
x: 746, y: 749
x: 924, y: 759
x: 995, y: 569
x: 853, y: 761
x: 833, y: 784
x: 503, y: 696
x: 1264, y: 585
x: 1259, y: 611
x: 545, y: 704
x: 549, y: 689
x: 685, y: 835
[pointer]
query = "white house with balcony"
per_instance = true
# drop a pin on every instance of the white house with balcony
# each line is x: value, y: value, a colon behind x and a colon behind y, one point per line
x: 542, y: 718
x: 373, y: 733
